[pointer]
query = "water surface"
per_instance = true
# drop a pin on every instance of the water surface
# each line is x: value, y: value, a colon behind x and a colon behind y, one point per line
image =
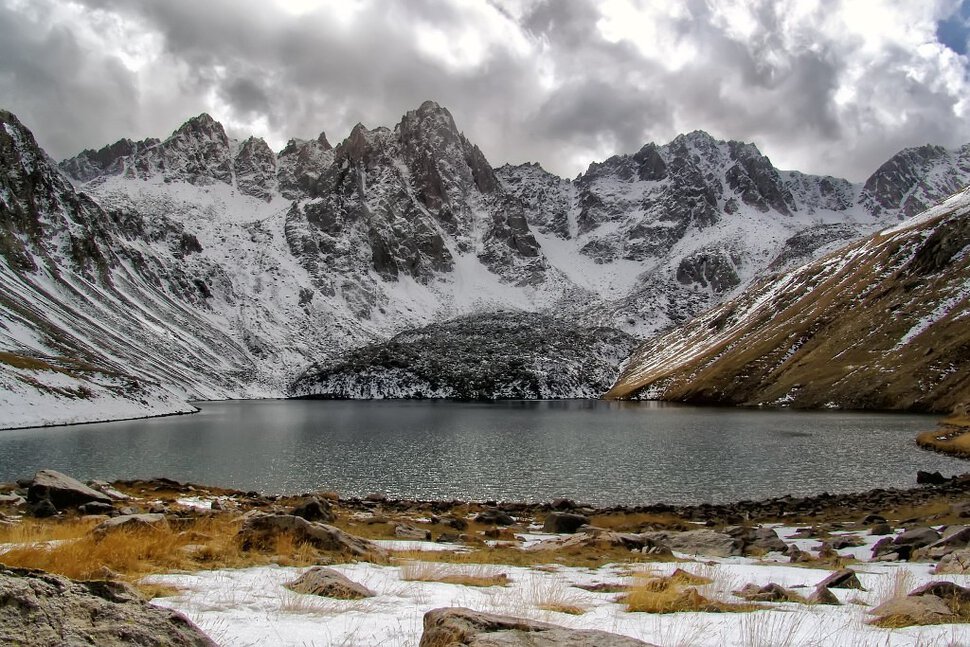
x: 592, y: 451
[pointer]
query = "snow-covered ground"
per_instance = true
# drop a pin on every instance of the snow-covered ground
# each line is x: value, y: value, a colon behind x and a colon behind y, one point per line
x: 252, y: 607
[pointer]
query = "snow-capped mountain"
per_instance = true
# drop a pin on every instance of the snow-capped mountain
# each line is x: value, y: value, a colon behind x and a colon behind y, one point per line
x: 218, y: 268
x: 879, y: 324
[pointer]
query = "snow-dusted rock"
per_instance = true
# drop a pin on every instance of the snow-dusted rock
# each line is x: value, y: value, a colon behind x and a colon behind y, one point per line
x: 329, y: 583
x: 455, y: 626
x: 46, y: 610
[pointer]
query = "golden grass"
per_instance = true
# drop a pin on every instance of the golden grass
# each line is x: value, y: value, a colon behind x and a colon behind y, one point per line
x: 464, y: 575
x: 952, y: 436
x: 635, y: 521
x: 675, y: 593
x: 33, y: 530
x: 588, y: 557
x: 209, y: 542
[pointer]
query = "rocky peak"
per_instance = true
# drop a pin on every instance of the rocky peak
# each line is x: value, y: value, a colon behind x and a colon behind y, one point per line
x: 198, y: 152
x: 361, y: 146
x: 907, y: 181
x: 255, y: 168
x: 42, y: 218
x: 758, y: 183
x: 300, y: 164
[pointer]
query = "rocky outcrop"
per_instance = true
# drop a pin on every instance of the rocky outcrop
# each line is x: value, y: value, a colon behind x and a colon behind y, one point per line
x: 260, y: 531
x: 62, y: 490
x: 455, y: 627
x: 46, y: 610
x: 503, y: 355
x: 255, y: 169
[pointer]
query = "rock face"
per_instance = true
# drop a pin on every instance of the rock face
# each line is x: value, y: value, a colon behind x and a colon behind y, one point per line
x: 503, y: 355
x: 456, y: 627
x: 62, y: 490
x: 49, y: 611
x: 876, y: 325
x: 329, y: 583
x: 247, y: 266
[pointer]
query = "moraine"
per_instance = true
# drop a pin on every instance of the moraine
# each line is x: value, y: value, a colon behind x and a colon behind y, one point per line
x: 599, y: 452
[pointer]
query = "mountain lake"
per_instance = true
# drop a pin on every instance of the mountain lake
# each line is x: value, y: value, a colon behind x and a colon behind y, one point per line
x: 592, y: 451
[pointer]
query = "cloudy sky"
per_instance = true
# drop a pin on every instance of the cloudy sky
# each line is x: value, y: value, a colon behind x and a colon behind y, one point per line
x: 825, y: 86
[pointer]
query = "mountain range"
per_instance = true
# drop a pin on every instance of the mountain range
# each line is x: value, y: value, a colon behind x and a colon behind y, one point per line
x: 145, y: 274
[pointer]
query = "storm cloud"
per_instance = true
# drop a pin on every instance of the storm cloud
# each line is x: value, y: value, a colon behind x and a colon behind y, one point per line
x: 831, y: 87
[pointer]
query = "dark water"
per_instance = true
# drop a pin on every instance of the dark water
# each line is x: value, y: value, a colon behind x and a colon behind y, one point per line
x: 598, y: 452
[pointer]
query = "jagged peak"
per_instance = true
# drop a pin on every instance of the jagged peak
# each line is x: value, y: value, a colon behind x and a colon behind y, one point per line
x: 202, y: 124
x: 429, y: 117
x: 323, y: 141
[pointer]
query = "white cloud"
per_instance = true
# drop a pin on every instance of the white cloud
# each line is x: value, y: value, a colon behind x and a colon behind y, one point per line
x: 830, y: 87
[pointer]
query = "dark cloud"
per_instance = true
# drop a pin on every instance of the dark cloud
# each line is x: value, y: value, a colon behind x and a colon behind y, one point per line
x: 542, y: 80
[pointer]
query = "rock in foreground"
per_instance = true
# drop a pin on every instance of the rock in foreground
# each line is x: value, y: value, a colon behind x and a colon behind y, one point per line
x: 42, y: 610
x: 459, y: 627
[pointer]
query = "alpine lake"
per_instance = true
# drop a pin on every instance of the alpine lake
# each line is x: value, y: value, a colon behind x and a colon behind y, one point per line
x: 603, y: 453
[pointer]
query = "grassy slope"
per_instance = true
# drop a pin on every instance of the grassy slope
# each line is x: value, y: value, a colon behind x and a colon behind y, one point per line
x: 830, y: 333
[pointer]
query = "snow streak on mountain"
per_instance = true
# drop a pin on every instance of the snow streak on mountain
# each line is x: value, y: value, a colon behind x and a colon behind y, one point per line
x: 147, y: 273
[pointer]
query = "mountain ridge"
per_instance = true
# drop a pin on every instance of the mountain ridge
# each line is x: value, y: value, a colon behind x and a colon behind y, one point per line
x: 239, y: 266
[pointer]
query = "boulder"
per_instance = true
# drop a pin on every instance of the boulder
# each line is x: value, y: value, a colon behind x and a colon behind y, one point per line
x: 930, y: 478
x: 314, y: 509
x: 763, y: 539
x: 45, y: 610
x: 843, y: 579
x: 42, y: 509
x: 259, y: 531
x: 944, y: 591
x: 105, y: 488
x: 564, y: 522
x: 909, y: 610
x: 458, y: 627
x: 329, y: 583
x: 697, y: 542
x: 954, y: 538
x: 405, y: 531
x: 957, y: 563
x: 879, y: 529
x: 62, y: 490
x: 917, y: 537
x: 599, y: 538
x: 770, y: 592
x: 130, y: 522
x: 822, y: 595
x: 494, y: 517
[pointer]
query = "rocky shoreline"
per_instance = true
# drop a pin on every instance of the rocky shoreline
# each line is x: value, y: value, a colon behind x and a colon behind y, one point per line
x: 123, y: 532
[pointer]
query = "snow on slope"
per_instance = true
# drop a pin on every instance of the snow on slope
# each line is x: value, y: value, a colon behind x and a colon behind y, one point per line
x: 217, y: 269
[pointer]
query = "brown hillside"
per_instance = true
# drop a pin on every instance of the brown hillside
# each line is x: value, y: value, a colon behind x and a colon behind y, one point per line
x: 880, y: 324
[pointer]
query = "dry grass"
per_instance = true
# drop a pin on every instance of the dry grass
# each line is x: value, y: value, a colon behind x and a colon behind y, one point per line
x: 651, y: 593
x: 208, y: 543
x: 587, y: 557
x: 464, y: 575
x: 952, y: 436
x: 555, y: 595
x: 897, y: 585
x: 636, y: 521
x: 32, y: 530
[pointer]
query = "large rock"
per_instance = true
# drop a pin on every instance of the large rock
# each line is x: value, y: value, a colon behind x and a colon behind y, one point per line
x: 314, y: 509
x: 920, y: 610
x: 329, y: 583
x: 131, y: 522
x: 260, y: 531
x: 957, y: 563
x: 770, y: 592
x: 564, y: 522
x: 44, y: 610
x: 842, y: 579
x: 944, y: 591
x: 62, y: 490
x: 457, y: 627
x: 698, y: 542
